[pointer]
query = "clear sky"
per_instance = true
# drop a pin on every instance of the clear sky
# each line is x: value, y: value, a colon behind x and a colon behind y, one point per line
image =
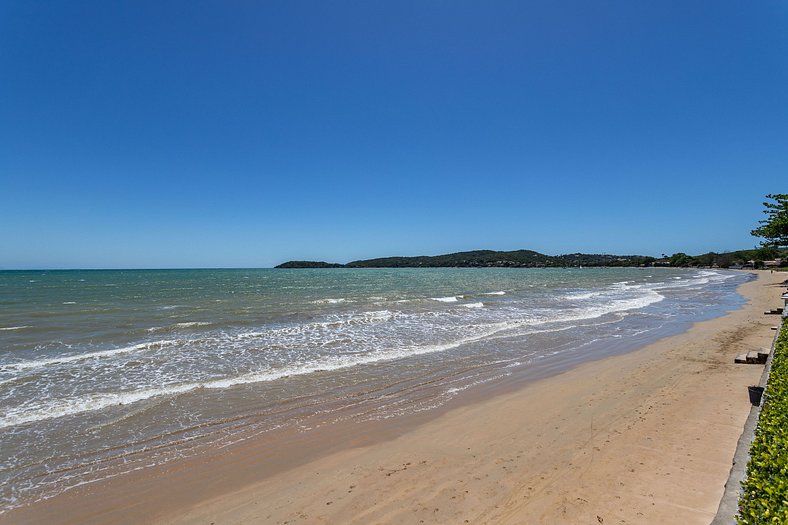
x: 241, y: 133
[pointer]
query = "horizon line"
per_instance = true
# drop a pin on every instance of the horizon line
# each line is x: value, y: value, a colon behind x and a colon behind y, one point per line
x: 162, y: 268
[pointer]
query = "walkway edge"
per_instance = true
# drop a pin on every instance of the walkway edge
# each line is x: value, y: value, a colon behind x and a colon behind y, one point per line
x: 729, y: 504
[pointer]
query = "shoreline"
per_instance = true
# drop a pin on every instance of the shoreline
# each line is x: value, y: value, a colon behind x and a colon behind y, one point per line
x: 548, y: 451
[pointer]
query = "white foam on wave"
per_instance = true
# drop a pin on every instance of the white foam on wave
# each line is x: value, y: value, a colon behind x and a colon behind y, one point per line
x: 26, y: 365
x: 701, y: 278
x: 721, y: 276
x: 580, y: 296
x: 69, y: 302
x: 625, y: 285
x: 474, y: 305
x: 697, y: 279
x: 610, y: 290
x: 10, y: 380
x: 36, y: 411
x: 32, y: 412
x: 495, y: 293
x: 602, y: 309
x: 188, y: 324
x: 451, y: 299
x: 457, y: 389
x: 337, y: 300
x: 8, y: 328
x: 622, y: 305
x: 365, y: 318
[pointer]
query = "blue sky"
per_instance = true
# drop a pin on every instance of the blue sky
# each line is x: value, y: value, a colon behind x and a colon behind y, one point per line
x: 204, y: 134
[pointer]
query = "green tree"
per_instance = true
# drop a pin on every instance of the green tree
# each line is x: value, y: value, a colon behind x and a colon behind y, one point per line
x: 774, y: 229
x: 764, y: 254
x: 707, y: 259
x: 681, y: 259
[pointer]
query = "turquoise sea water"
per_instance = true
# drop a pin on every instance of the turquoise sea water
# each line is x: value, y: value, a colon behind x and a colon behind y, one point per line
x: 107, y: 371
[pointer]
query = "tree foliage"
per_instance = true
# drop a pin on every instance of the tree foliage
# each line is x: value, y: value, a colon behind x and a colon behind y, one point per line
x: 487, y: 259
x: 774, y: 229
x: 309, y: 264
x: 682, y: 259
x: 532, y: 259
x: 724, y: 260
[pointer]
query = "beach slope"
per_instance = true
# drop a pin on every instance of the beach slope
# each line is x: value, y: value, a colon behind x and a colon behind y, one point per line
x: 646, y: 437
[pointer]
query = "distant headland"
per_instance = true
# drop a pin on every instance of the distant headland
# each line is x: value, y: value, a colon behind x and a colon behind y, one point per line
x: 532, y: 259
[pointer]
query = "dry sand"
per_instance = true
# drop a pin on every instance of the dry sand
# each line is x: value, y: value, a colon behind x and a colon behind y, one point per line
x: 645, y: 437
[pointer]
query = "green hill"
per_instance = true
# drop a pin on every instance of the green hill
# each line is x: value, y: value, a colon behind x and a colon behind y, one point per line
x: 532, y: 259
x: 485, y: 259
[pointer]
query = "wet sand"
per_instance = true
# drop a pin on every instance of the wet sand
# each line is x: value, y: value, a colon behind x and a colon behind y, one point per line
x: 645, y: 437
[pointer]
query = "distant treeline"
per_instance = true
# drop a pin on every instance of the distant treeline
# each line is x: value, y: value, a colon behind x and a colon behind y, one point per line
x: 728, y: 259
x: 309, y: 264
x: 532, y: 259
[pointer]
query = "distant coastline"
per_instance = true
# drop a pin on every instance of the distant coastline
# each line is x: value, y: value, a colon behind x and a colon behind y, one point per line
x: 532, y: 259
x: 484, y: 259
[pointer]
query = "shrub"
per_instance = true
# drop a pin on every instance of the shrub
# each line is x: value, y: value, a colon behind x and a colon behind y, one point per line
x: 765, y: 491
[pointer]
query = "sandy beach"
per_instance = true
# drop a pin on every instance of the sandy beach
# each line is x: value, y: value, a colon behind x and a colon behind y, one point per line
x: 645, y: 437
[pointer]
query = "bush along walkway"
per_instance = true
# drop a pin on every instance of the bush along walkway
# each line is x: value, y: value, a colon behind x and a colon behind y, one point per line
x: 764, y: 496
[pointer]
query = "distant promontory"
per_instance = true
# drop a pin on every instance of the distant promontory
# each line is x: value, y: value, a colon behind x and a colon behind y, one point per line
x: 484, y: 259
x: 309, y: 264
x: 759, y: 257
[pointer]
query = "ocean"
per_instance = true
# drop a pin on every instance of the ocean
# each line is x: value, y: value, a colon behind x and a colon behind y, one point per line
x: 108, y: 371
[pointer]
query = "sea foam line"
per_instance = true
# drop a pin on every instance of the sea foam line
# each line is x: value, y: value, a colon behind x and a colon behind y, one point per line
x: 188, y: 324
x: 474, y: 305
x: 451, y: 299
x: 98, y: 401
x: 26, y: 365
x: 336, y: 300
